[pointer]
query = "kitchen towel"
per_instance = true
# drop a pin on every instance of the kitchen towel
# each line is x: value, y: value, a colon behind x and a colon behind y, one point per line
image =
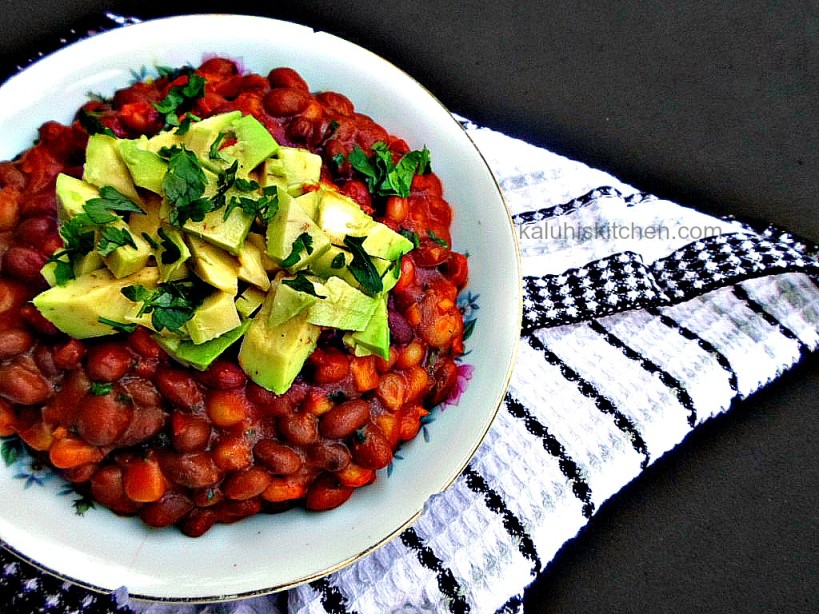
x: 642, y: 319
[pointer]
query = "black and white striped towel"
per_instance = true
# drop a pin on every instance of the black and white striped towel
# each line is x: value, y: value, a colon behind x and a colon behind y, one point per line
x: 687, y: 314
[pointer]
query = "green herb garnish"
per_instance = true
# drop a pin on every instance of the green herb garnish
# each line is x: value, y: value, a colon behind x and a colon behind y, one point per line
x: 184, y: 184
x: 338, y: 262
x: 302, y: 284
x: 170, y: 250
x: 99, y: 389
x: 442, y: 242
x: 411, y: 235
x: 362, y: 266
x: 112, y: 238
x: 383, y: 176
x: 179, y: 97
x: 118, y: 326
x: 99, y: 210
x: 171, y: 305
x: 303, y: 243
x: 90, y: 122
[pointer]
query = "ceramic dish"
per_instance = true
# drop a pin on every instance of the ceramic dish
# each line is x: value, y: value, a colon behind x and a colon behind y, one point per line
x: 268, y: 553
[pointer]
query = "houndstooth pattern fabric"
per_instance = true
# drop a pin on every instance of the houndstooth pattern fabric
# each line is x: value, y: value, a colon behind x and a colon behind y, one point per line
x: 684, y: 327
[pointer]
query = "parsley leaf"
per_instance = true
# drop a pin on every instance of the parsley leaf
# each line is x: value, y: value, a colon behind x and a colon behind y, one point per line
x: 92, y: 125
x: 171, y: 305
x: 112, y: 238
x: 63, y: 271
x: 186, y: 122
x: 99, y: 389
x: 213, y: 153
x: 338, y: 261
x: 383, y: 176
x: 264, y: 208
x: 411, y: 235
x: 303, y: 243
x: 184, y: 184
x: 302, y: 284
x: 111, y: 199
x: 362, y: 266
x: 170, y: 250
x: 442, y: 242
x: 118, y: 326
x: 179, y: 97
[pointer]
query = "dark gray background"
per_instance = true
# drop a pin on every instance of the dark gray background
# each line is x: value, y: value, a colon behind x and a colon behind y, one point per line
x: 710, y: 104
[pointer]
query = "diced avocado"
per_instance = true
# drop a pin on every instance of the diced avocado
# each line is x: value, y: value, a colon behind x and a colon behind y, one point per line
x: 167, y: 138
x: 297, y: 166
x: 249, y: 301
x: 48, y: 273
x: 86, y: 263
x: 273, y: 356
x: 340, y: 216
x: 323, y: 267
x: 309, y: 203
x: 287, y: 303
x: 214, y: 266
x: 202, y: 355
x: 375, y: 339
x: 202, y: 134
x: 104, y: 166
x: 229, y: 234
x: 267, y: 179
x: 260, y: 244
x: 148, y: 222
x: 72, y: 194
x: 146, y: 167
x: 251, y: 266
x: 253, y: 144
x: 75, y: 308
x: 286, y: 226
x: 344, y: 307
x: 215, y: 316
x: 127, y: 260
x: 172, y: 253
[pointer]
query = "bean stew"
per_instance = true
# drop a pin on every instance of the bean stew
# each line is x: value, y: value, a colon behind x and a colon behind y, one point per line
x: 146, y: 436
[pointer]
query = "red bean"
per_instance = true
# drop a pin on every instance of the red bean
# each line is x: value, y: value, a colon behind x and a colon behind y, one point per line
x: 372, y: 450
x: 107, y: 488
x: 101, y: 420
x: 287, y: 77
x: 24, y: 263
x: 330, y: 456
x: 167, y: 511
x: 180, y: 389
x: 23, y: 386
x: 327, y: 493
x: 37, y: 231
x: 277, y: 457
x: 233, y: 511
x: 37, y: 321
x: 270, y: 402
x: 219, y: 68
x: 190, y: 470
x: 44, y: 359
x: 144, y: 344
x: 329, y: 366
x: 283, y: 101
x: 198, y: 522
x: 299, y: 428
x: 9, y: 207
x: 13, y: 342
x: 344, y: 419
x: 108, y: 362
x: 335, y: 103
x: 223, y: 375
x: 146, y: 422
x: 208, y: 497
x: 358, y: 191
x: 12, y: 296
x: 246, y: 483
x: 300, y: 130
x: 69, y: 355
x: 189, y: 433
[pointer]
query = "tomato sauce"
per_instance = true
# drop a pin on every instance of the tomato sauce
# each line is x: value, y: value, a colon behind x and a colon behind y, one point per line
x: 147, y: 437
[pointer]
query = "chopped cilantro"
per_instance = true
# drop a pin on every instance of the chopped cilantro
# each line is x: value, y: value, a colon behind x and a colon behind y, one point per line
x: 92, y: 125
x: 338, y: 160
x: 412, y: 236
x: 213, y: 153
x: 99, y: 389
x: 112, y: 238
x: 442, y: 242
x: 179, y: 97
x: 118, y: 326
x: 151, y: 241
x: 186, y: 122
x: 170, y: 250
x: 303, y: 243
x: 264, y: 208
x: 99, y: 209
x: 171, y: 305
x: 383, y: 176
x: 338, y: 261
x: 184, y: 184
x: 362, y: 266
x: 302, y: 284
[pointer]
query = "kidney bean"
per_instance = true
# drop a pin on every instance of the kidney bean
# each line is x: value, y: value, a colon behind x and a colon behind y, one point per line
x: 198, y: 522
x: 12, y: 296
x: 189, y: 433
x: 371, y: 449
x: 444, y: 376
x: 287, y: 77
x: 283, y: 101
x: 108, y: 362
x: 142, y: 392
x: 36, y: 231
x: 217, y: 68
x: 227, y: 408
x: 223, y: 375
x: 327, y: 493
x: 37, y: 321
x: 9, y: 207
x: 180, y: 389
x: 277, y: 457
x: 143, y: 344
x: 331, y: 456
x: 146, y: 422
x: 335, y: 103
x: 107, y: 488
x: 167, y: 511
x: 24, y: 263
x: 344, y: 419
x: 455, y: 269
x: 233, y: 511
x: 329, y: 366
x: 43, y: 203
x: 69, y: 355
x: 13, y: 342
x: 246, y: 483
x: 300, y: 130
x: 299, y: 428
x: 196, y: 470
x: 102, y: 420
x: 43, y: 357
x: 401, y: 331
x: 23, y: 386
x: 63, y: 406
x: 358, y: 191
x: 8, y: 419
x: 80, y: 474
x: 207, y: 497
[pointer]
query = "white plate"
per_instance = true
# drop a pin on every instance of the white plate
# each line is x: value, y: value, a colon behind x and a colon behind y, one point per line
x: 267, y: 553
